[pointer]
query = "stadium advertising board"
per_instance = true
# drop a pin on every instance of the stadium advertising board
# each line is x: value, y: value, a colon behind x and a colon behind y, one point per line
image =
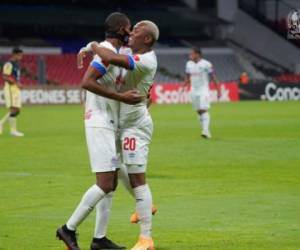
x: 173, y: 93
x: 168, y: 93
x: 49, y: 95
x: 270, y: 91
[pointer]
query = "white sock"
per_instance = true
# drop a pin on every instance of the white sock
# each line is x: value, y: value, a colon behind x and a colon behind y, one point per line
x: 124, y: 178
x: 205, y: 120
x: 144, y: 208
x: 86, y: 205
x: 103, y: 208
x: 13, y: 124
x: 5, y: 118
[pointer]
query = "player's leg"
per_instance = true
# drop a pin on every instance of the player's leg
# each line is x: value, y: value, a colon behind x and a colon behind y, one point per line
x: 135, y: 149
x: 124, y: 178
x: 3, y: 120
x: 15, y: 110
x: 143, y: 198
x: 102, y: 158
x: 91, y: 197
x: 8, y: 102
x: 202, y: 106
x: 103, y: 209
x: 204, y: 117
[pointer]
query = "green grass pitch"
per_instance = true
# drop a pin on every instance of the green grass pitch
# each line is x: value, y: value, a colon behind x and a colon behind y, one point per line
x: 240, y: 190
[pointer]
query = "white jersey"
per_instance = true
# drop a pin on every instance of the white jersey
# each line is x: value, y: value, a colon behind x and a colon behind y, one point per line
x: 140, y: 76
x: 100, y: 111
x: 200, y: 76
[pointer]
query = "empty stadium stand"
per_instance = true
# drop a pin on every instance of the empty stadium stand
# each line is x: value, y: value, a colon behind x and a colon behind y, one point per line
x: 62, y: 70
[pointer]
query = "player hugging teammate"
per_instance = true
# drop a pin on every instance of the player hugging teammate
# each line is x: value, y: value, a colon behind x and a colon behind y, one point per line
x: 108, y: 110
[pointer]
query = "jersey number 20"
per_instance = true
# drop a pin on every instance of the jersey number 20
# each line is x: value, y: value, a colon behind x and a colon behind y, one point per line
x: 129, y: 143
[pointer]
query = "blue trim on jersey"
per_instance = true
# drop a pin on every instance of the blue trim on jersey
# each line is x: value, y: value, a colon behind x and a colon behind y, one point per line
x: 131, y: 63
x: 99, y: 67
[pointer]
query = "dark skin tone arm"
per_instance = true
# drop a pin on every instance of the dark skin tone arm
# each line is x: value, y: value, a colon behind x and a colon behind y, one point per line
x: 187, y: 81
x: 216, y: 82
x: 111, y: 57
x: 89, y: 82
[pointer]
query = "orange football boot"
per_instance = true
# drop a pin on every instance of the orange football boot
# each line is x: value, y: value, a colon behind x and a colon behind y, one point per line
x: 144, y: 244
x: 134, y: 219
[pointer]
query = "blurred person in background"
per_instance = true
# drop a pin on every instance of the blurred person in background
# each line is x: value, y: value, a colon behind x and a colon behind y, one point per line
x: 12, y: 91
x: 244, y: 78
x: 199, y: 73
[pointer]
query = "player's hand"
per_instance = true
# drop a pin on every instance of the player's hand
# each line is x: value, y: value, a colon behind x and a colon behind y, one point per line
x: 80, y: 56
x: 20, y: 86
x: 131, y: 97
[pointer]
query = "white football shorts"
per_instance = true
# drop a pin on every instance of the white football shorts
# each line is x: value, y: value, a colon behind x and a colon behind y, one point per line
x: 135, y: 147
x: 102, y: 150
x: 200, y: 101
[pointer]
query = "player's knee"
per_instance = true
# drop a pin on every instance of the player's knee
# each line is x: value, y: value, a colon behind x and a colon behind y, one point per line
x: 107, y: 187
x: 137, y: 180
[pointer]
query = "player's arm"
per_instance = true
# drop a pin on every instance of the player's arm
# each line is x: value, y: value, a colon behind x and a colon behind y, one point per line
x: 124, y: 61
x: 83, y: 52
x: 7, y: 73
x: 215, y: 80
x: 187, y: 80
x: 89, y: 82
x: 149, y: 100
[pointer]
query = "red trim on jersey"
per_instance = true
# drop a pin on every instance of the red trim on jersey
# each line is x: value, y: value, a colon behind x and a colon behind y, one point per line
x: 136, y: 57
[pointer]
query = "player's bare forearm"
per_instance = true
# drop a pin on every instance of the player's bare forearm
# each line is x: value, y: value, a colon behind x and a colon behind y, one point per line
x: 187, y: 81
x: 216, y: 81
x: 110, y: 57
x: 89, y: 82
x: 98, y: 89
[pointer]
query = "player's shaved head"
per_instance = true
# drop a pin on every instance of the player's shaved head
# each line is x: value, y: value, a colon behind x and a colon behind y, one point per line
x: 151, y: 29
x: 115, y: 21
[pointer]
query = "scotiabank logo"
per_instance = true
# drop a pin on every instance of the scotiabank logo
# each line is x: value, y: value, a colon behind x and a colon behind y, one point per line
x: 281, y: 93
x: 169, y: 94
x: 172, y: 93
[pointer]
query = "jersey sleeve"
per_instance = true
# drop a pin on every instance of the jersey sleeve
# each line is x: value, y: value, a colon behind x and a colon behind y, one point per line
x: 99, y: 65
x: 139, y: 63
x: 7, y: 69
x: 188, y: 68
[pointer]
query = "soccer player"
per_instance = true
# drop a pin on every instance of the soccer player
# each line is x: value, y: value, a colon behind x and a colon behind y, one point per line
x: 103, y: 207
x: 12, y: 91
x: 101, y: 122
x: 136, y: 125
x: 199, y: 73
